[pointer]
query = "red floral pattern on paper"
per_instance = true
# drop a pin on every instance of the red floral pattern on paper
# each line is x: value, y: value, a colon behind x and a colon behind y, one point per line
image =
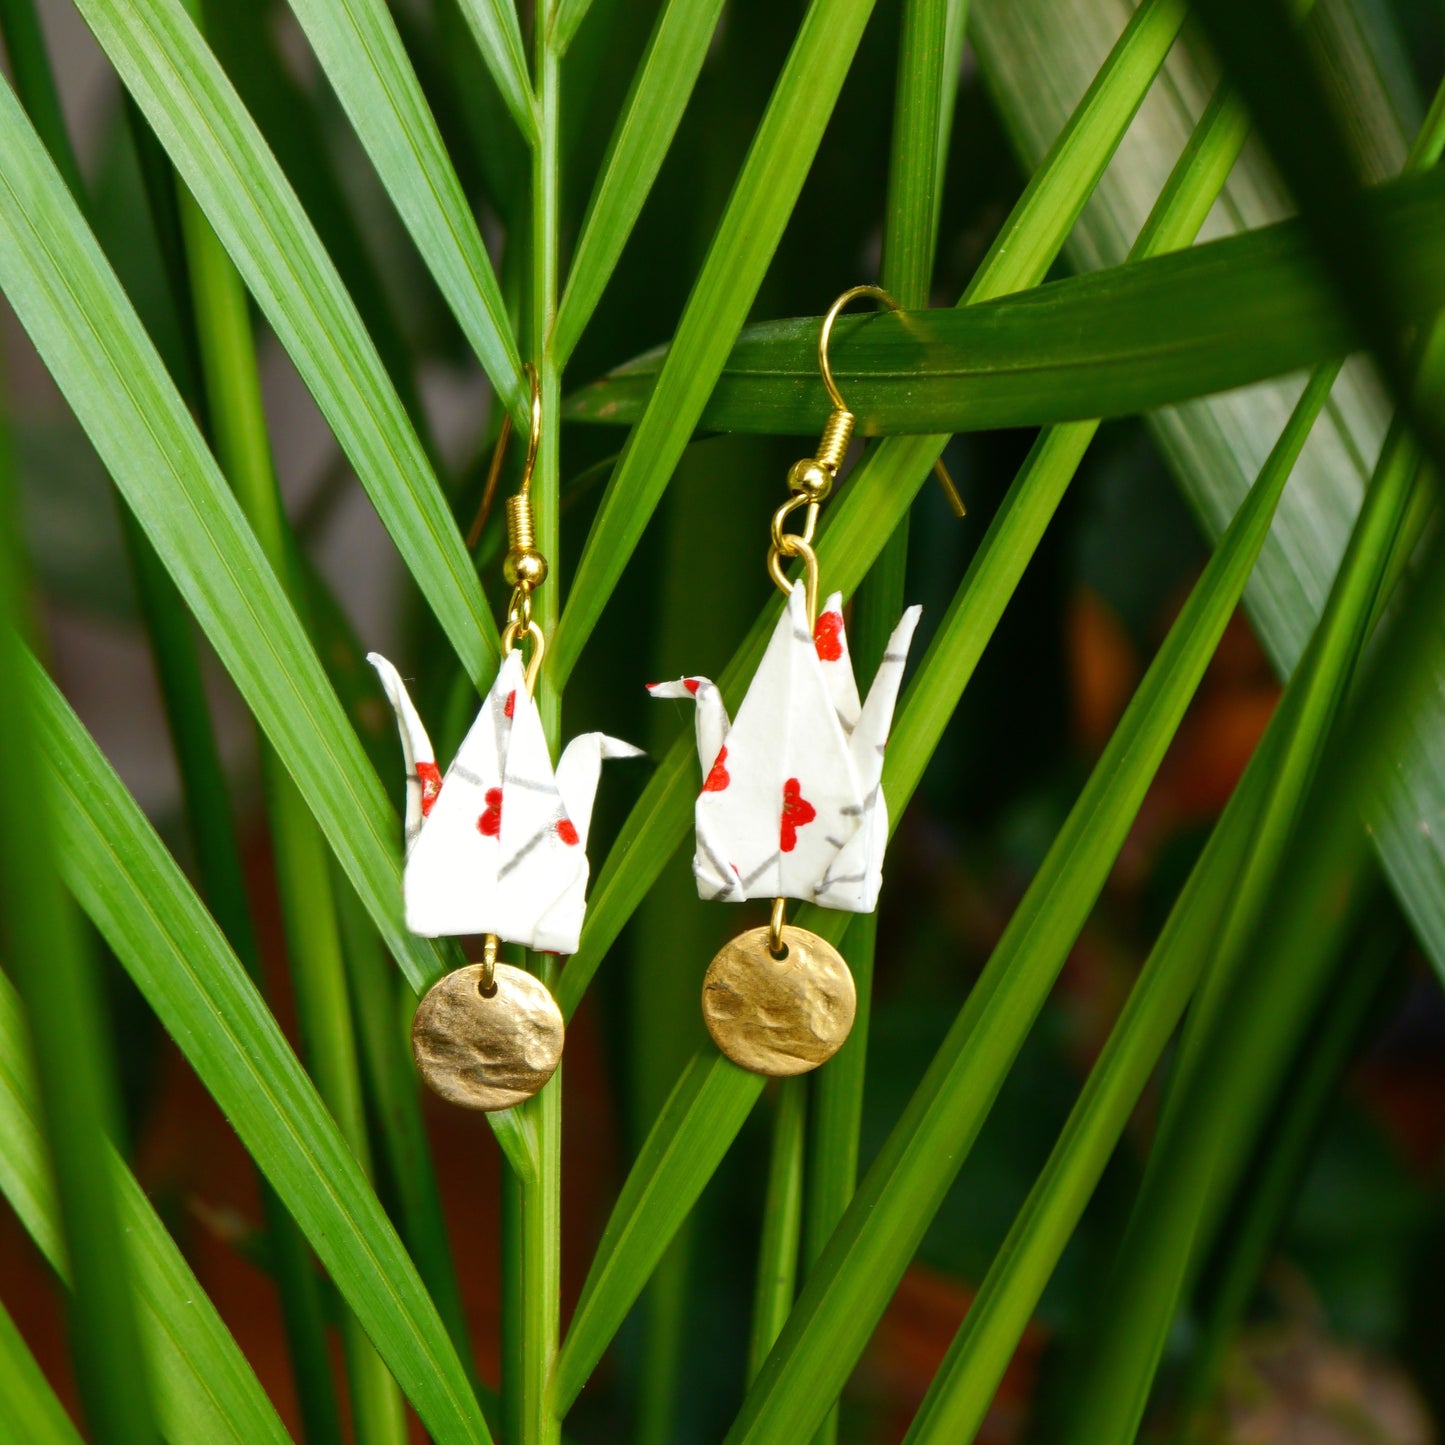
x: 490, y: 823
x: 719, y: 777
x: 567, y: 832
x: 797, y: 812
x: 510, y: 706
x: 828, y: 636
x: 430, y: 777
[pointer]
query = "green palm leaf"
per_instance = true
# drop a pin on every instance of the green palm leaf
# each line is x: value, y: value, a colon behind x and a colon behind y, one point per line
x: 564, y: 20
x: 852, y: 1281
x: 69, y: 301
x: 205, y: 1389
x: 1116, y: 342
x: 649, y: 120
x: 746, y: 237
x: 29, y: 1410
x: 357, y: 44
x: 498, y: 34
x: 1037, y: 54
x: 218, y: 151
x: 147, y: 912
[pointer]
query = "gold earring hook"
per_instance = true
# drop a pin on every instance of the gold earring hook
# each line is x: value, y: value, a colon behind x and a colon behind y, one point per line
x: 839, y: 430
x: 524, y: 567
x: 535, y: 437
x: 499, y: 453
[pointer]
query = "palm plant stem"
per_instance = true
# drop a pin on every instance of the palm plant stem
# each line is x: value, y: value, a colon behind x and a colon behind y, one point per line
x: 218, y: 861
x: 665, y: 1305
x: 532, y: 1205
x: 777, y: 1275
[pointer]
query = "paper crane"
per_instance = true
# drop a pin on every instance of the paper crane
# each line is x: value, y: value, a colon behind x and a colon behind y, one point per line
x: 500, y: 844
x: 791, y: 803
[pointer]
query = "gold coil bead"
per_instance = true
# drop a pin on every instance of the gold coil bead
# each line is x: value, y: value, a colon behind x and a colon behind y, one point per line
x: 521, y: 527
x: 836, y: 436
x: 524, y: 566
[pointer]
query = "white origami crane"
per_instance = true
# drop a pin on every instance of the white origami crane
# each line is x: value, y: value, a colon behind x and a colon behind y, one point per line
x: 500, y: 844
x: 791, y: 803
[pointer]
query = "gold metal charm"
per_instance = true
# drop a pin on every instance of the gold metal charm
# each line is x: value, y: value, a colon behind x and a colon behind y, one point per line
x: 779, y: 1013
x: 485, y: 1050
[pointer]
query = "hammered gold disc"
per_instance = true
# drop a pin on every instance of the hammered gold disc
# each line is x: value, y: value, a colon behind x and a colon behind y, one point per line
x: 779, y: 1016
x: 487, y: 1052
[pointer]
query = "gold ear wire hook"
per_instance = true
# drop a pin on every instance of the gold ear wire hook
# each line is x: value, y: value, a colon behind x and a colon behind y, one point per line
x: 534, y: 438
x: 499, y: 453
x: 524, y: 567
x: 839, y: 430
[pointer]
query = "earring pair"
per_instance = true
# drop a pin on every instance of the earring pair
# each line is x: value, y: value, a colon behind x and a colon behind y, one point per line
x: 791, y: 806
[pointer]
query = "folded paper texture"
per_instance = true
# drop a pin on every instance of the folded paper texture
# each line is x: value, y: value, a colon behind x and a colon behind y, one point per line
x: 791, y: 803
x: 498, y: 845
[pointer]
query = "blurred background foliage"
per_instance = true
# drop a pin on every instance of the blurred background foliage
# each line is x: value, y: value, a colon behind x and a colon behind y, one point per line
x: 1343, y: 1339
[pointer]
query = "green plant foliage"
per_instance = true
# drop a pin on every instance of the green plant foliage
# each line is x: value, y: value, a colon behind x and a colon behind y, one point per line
x: 204, y: 1387
x: 498, y: 34
x: 393, y: 207
x: 1145, y: 1286
x: 697, y: 1124
x: 851, y: 1281
x: 961, y: 1392
x: 141, y: 903
x: 362, y: 54
x: 1217, y: 445
x: 649, y: 120
x: 1134, y: 338
x: 56, y: 976
x: 28, y: 1407
x: 98, y: 350
x: 225, y: 163
x: 761, y: 202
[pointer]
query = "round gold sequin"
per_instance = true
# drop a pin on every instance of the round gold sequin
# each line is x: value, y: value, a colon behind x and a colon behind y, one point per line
x: 779, y: 1016
x: 487, y: 1052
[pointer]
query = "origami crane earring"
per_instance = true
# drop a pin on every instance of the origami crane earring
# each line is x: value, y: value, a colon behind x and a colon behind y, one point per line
x: 498, y: 847
x: 791, y: 803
